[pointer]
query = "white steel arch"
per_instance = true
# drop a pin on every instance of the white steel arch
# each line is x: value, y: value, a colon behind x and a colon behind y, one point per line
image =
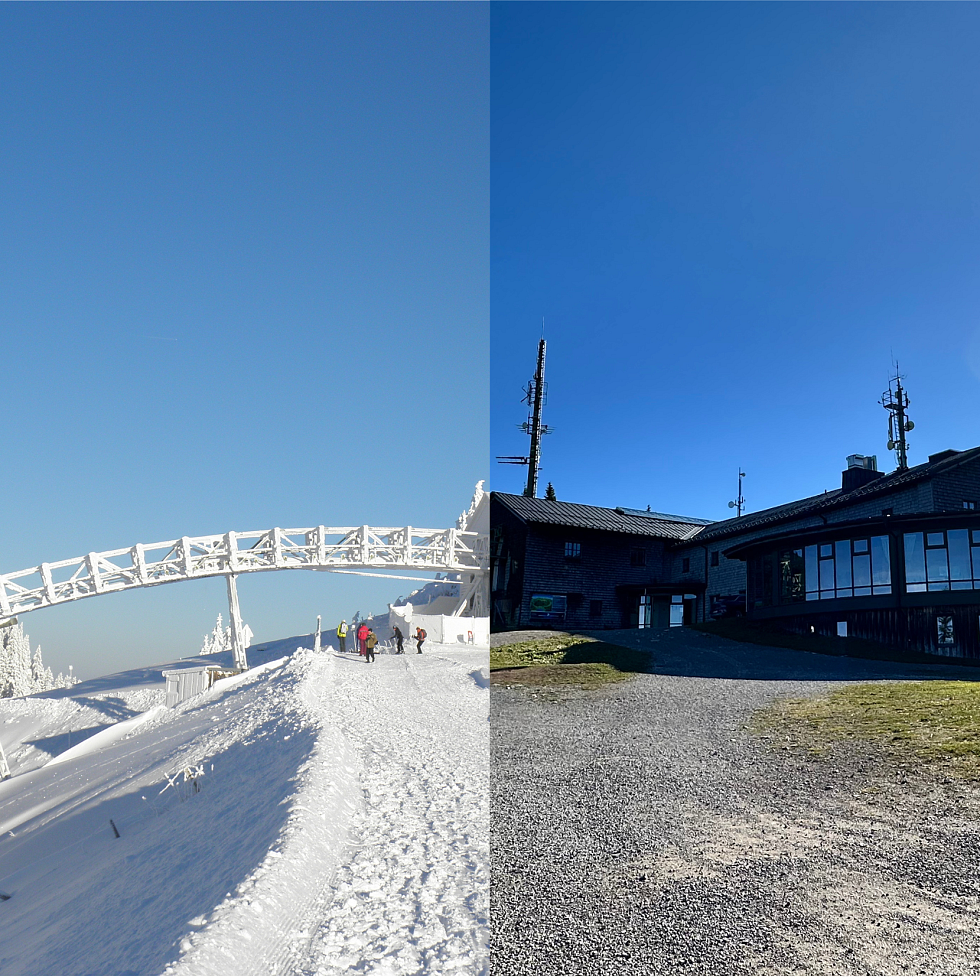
x: 393, y: 551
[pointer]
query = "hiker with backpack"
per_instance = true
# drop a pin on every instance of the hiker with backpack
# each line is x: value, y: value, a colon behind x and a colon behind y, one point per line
x: 420, y: 636
x: 342, y: 635
x: 362, y: 634
x: 396, y: 635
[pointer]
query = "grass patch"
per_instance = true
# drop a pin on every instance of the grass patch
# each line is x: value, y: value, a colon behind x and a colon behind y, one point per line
x: 568, y: 659
x: 937, y: 722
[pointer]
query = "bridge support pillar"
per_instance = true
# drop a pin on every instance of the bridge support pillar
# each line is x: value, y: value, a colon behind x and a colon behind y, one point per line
x: 237, y: 629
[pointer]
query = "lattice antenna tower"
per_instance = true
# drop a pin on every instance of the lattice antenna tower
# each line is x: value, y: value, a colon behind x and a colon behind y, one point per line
x: 896, y: 401
x: 535, y: 397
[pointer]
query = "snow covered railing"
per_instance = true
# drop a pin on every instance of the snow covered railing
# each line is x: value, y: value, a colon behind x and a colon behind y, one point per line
x: 321, y: 548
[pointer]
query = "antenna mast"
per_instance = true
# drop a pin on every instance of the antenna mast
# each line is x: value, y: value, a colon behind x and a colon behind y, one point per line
x: 895, y: 403
x: 535, y: 396
x: 739, y: 501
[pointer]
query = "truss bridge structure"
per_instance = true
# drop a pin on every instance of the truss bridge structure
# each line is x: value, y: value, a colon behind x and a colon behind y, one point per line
x: 461, y: 555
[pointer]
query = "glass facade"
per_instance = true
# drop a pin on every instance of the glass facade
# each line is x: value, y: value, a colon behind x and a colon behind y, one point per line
x: 941, y: 561
x: 842, y: 569
x: 839, y: 569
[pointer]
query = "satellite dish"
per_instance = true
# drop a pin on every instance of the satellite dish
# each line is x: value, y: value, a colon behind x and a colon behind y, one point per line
x: 891, y: 443
x: 731, y: 503
x: 909, y: 425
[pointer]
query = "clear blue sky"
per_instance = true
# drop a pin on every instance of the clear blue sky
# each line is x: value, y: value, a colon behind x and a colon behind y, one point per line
x: 732, y: 216
x: 244, y: 282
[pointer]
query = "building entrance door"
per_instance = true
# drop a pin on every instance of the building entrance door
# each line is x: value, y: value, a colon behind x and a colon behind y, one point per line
x: 682, y: 609
x: 646, y: 612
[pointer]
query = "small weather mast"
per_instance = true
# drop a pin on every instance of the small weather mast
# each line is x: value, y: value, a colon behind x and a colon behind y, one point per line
x: 895, y: 401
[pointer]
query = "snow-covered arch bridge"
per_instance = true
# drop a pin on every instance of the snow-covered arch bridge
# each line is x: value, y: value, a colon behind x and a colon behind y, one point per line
x: 386, y: 551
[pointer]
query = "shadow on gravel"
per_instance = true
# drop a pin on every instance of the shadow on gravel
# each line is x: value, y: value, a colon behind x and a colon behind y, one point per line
x: 689, y: 653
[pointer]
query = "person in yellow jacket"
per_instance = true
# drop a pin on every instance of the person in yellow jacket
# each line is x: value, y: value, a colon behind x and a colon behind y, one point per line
x: 342, y: 635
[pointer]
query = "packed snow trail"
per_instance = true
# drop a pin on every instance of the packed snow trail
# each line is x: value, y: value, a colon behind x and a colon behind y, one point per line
x: 341, y: 824
x: 414, y: 899
x: 411, y: 895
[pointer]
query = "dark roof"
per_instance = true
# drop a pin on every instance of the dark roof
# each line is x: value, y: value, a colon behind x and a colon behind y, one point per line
x: 534, y: 510
x: 664, y: 517
x: 833, y: 499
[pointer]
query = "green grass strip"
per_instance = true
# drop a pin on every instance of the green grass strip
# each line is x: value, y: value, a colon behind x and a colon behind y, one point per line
x: 937, y: 722
x: 582, y: 661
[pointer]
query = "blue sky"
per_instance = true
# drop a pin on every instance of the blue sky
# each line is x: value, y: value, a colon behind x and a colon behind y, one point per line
x: 244, y: 269
x: 732, y: 216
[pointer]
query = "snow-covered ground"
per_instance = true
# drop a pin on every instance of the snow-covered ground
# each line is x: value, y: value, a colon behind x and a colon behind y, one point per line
x: 340, y: 825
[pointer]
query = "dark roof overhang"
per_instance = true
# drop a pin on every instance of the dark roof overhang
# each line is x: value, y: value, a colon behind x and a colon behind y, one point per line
x: 899, y: 524
x: 833, y: 499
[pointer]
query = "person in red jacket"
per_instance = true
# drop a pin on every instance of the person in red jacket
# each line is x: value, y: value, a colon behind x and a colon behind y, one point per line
x: 362, y: 632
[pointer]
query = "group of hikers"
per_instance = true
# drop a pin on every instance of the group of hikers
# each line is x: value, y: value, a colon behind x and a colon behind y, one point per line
x: 367, y: 639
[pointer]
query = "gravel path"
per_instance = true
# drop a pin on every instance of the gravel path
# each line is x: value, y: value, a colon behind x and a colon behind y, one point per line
x: 640, y: 829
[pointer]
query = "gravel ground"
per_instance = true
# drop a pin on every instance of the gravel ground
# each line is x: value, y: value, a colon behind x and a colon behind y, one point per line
x: 640, y: 829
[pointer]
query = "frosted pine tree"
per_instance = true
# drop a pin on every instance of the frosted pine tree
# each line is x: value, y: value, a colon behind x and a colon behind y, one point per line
x: 42, y: 679
x: 6, y: 665
x: 20, y: 673
x: 219, y: 639
x: 20, y: 653
x: 37, y: 671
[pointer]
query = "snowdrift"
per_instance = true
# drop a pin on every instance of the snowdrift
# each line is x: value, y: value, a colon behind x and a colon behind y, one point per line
x: 315, y: 814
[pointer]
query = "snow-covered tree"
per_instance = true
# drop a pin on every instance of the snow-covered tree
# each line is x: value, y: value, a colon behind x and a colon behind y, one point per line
x: 219, y: 639
x: 41, y: 677
x: 21, y: 673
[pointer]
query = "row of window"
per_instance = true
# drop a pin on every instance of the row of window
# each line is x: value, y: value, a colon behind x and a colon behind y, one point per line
x: 833, y: 570
x: 935, y: 561
x: 842, y: 569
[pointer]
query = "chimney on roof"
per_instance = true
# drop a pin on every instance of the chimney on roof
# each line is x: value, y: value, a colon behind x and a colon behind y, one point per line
x: 860, y: 470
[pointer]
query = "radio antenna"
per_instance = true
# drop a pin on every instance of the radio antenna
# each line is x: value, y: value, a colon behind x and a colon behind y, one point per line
x: 895, y: 402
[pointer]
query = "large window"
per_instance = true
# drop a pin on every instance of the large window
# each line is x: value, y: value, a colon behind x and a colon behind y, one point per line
x: 791, y: 570
x: 940, y: 561
x: 841, y: 569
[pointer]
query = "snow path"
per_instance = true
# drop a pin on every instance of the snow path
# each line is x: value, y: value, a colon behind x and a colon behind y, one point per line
x: 414, y: 898
x: 411, y: 893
